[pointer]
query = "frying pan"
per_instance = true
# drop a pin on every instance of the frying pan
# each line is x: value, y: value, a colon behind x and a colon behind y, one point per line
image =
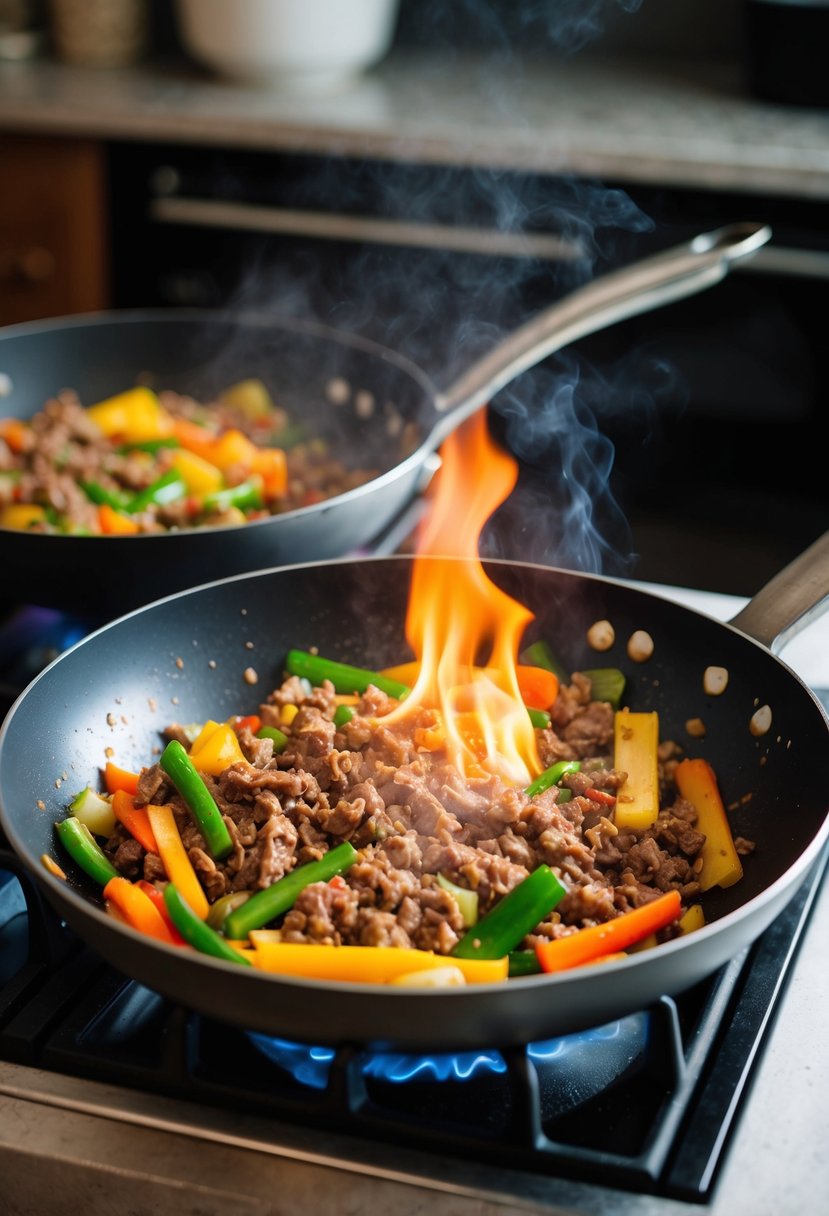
x: 201, y: 353
x: 182, y: 658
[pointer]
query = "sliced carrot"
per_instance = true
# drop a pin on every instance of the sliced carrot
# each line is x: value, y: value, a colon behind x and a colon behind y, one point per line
x: 538, y: 687
x: 157, y: 899
x: 137, y: 909
x: 135, y: 819
x: 589, y: 945
x: 15, y: 433
x: 115, y: 523
x: 116, y: 778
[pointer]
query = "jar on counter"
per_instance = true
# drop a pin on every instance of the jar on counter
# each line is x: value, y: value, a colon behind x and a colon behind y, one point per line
x: 99, y: 33
x: 785, y: 50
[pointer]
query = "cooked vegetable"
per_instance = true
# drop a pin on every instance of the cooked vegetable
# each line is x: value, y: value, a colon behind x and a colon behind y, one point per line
x: 343, y: 714
x: 514, y: 916
x: 343, y: 676
x: 133, y: 416
x: 135, y: 819
x: 99, y: 494
x: 137, y: 909
x: 365, y: 964
x: 608, y: 684
x: 197, y: 932
x: 117, y: 778
x: 466, y: 900
x: 636, y: 739
x: 115, y: 523
x: 177, y: 864
x: 523, y: 962
x: 215, y: 748
x: 591, y: 944
x: 721, y: 865
x: 166, y: 488
x: 552, y: 776
x: 247, y: 496
x: 180, y: 769
x: 157, y: 897
x: 276, y: 736
x: 266, y: 905
x: 224, y: 905
x: 81, y: 846
x: 94, y: 811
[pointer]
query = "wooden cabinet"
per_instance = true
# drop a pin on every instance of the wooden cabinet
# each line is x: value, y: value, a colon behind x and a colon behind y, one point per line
x: 53, y: 227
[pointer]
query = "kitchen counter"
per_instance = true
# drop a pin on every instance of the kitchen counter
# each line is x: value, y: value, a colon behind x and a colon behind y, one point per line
x: 666, y: 121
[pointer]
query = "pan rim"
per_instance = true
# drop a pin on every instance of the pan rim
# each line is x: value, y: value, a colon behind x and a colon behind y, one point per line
x: 789, y: 880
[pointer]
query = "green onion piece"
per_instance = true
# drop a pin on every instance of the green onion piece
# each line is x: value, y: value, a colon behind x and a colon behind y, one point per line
x: 513, y: 917
x: 247, y: 496
x: 166, y: 488
x: 266, y: 905
x: 523, y: 962
x: 564, y: 795
x: 343, y: 714
x: 82, y: 847
x: 346, y: 679
x: 540, y: 654
x: 197, y: 932
x: 149, y: 445
x: 100, y: 495
x: 539, y: 718
x: 223, y: 906
x: 95, y: 811
x: 188, y: 781
x: 552, y: 776
x: 466, y: 900
x: 608, y: 684
x: 277, y: 737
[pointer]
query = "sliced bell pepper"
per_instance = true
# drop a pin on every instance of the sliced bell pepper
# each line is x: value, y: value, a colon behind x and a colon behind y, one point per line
x: 177, y: 865
x: 21, y: 516
x: 364, y: 964
x: 721, y: 865
x: 157, y: 898
x: 199, y: 475
x: 266, y: 905
x: 115, y: 523
x: 514, y: 916
x: 271, y: 464
x: 591, y: 944
x: 135, y: 819
x: 636, y: 740
x: 134, y: 416
x: 117, y: 778
x: 178, y: 766
x: 196, y: 932
x: 137, y: 909
x: 215, y: 748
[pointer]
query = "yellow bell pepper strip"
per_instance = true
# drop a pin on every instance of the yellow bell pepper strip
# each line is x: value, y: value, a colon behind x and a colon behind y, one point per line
x: 137, y: 909
x: 594, y: 943
x: 267, y: 905
x: 514, y: 916
x: 21, y: 516
x: 173, y: 854
x: 135, y: 819
x: 133, y: 416
x: 115, y: 523
x: 215, y: 748
x: 466, y: 900
x: 697, y: 783
x: 157, y: 899
x: 197, y: 932
x: 276, y: 736
x: 365, y: 964
x: 199, y: 475
x: 117, y: 778
x: 552, y: 776
x: 169, y: 487
x: 182, y: 772
x: 636, y: 739
x: 692, y: 918
x: 84, y: 850
x: 93, y: 810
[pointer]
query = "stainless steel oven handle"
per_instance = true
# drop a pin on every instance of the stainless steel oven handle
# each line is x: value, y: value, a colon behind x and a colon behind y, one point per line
x: 644, y: 285
x: 372, y: 230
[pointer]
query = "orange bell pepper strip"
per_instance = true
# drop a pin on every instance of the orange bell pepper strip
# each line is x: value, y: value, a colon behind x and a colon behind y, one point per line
x: 174, y: 857
x: 115, y: 523
x: 137, y: 909
x: 589, y: 945
x: 157, y: 899
x: 135, y: 819
x: 117, y: 778
x: 697, y: 783
x: 272, y: 466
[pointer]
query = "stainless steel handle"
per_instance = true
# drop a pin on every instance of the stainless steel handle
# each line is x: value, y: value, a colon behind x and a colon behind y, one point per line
x: 794, y: 597
x: 645, y: 285
x: 373, y: 230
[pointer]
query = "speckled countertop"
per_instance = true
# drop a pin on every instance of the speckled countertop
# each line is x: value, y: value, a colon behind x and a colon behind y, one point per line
x: 667, y: 121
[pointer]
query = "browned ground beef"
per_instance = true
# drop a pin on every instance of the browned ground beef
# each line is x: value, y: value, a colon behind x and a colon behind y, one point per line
x: 412, y: 817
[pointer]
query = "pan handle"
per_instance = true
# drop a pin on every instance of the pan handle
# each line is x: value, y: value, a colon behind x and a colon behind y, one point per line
x: 646, y: 284
x: 792, y: 600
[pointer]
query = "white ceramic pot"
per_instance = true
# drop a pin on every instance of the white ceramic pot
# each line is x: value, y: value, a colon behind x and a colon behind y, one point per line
x: 297, y: 44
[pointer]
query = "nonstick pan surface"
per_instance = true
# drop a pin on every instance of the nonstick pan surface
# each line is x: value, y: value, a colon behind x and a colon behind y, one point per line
x: 393, y: 420
x: 184, y: 658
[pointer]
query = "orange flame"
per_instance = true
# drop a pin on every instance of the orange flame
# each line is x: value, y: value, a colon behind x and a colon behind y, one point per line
x: 456, y: 613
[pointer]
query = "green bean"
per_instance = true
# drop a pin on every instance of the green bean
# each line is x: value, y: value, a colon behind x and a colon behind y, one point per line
x: 188, y: 781
x: 266, y: 905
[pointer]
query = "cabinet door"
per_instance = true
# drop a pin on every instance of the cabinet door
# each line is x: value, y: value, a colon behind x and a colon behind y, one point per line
x: 53, y: 228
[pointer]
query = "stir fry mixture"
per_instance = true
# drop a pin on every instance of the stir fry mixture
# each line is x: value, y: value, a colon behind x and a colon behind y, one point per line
x: 143, y: 462
x: 308, y: 837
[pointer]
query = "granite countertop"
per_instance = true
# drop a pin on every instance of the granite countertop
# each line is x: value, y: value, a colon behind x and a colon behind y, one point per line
x: 667, y: 121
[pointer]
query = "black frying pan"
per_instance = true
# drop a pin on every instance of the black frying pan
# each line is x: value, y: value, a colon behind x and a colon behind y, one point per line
x: 183, y: 659
x: 202, y: 353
